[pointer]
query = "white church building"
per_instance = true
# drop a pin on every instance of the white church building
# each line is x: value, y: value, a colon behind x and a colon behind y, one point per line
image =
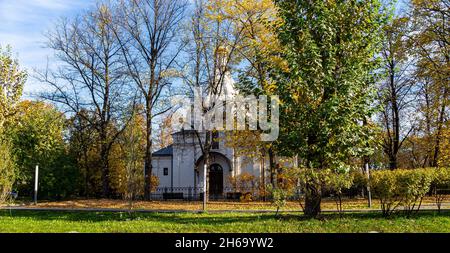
x: 179, y: 166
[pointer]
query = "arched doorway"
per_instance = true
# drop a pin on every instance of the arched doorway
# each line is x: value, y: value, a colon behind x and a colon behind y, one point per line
x: 215, y: 181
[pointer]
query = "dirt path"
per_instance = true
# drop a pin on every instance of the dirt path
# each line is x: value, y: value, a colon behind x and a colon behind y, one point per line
x: 107, y: 205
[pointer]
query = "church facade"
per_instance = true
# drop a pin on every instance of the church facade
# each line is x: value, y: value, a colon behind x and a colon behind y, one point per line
x: 179, y: 166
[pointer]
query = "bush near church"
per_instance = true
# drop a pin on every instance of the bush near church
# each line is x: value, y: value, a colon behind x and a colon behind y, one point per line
x: 405, y: 188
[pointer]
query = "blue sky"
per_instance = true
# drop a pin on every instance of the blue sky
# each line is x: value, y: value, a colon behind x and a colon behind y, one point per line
x: 23, y: 24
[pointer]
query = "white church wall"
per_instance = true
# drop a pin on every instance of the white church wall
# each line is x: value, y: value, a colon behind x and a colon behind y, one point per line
x: 248, y: 165
x: 159, y: 163
x: 187, y: 151
x: 183, y: 166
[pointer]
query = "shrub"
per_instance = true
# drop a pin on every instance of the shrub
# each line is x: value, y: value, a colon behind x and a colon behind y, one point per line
x: 384, y: 185
x: 401, y: 187
x: 413, y: 186
x: 440, y: 185
x: 246, y: 197
x: 245, y: 183
x: 285, y: 188
x: 279, y: 197
x: 360, y: 182
x: 338, y: 182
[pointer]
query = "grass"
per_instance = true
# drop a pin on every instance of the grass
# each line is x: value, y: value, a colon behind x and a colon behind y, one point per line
x: 93, y: 222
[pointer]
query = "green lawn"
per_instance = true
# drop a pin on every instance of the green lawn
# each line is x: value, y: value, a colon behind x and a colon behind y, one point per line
x: 38, y: 221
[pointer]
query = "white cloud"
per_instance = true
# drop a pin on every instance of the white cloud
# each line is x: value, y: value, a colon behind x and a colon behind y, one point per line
x: 53, y: 4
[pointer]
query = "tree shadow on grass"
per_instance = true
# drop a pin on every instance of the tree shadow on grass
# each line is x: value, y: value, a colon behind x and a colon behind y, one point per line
x: 179, y: 218
x: 198, y: 219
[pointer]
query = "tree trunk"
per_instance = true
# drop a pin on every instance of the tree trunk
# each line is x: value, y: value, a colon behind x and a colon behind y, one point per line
x: 395, y: 123
x: 272, y: 166
x: 148, y: 156
x: 205, y: 180
x: 263, y: 178
x: 105, y: 171
x: 429, y: 150
x: 206, y: 163
x: 313, y: 199
x: 441, y: 120
x: 87, y: 175
x: 313, y: 194
x: 393, y: 162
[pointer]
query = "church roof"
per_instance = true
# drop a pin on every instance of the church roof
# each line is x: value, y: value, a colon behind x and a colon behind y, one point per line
x: 167, y: 151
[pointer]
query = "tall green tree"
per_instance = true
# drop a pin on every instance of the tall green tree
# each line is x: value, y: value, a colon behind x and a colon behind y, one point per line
x: 7, y: 170
x: 37, y: 138
x: 12, y: 80
x: 327, y: 91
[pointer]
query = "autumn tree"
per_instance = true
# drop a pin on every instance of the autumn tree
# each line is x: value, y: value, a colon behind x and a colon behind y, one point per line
x: 397, y: 90
x: 257, y: 47
x: 432, y: 48
x: 257, y: 51
x: 165, y: 131
x: 247, y: 143
x: 211, y: 52
x: 128, y: 157
x: 133, y: 149
x: 327, y: 90
x: 92, y: 77
x: 12, y: 80
x: 149, y: 33
x: 444, y: 159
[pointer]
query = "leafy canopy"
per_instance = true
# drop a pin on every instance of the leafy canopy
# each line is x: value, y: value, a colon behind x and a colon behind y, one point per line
x: 12, y: 80
x: 327, y: 91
